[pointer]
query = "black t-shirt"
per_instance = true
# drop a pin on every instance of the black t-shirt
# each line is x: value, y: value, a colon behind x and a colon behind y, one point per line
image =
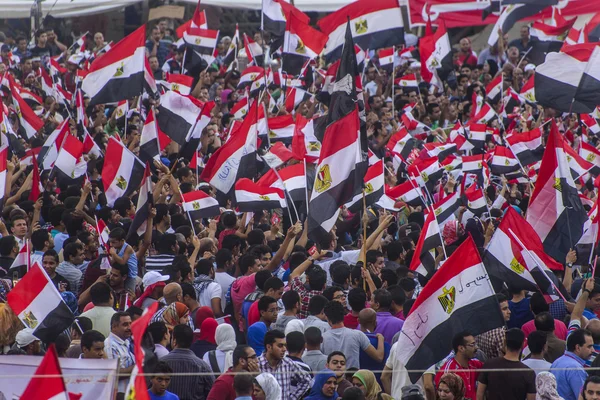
x: 507, y: 384
x: 60, y: 279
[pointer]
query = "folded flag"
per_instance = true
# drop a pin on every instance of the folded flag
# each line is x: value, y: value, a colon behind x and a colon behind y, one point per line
x: 527, y: 146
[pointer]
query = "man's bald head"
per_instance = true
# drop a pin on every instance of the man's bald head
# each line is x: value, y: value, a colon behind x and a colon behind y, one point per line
x: 171, y: 292
x: 594, y: 327
x: 207, y: 244
x: 367, y: 318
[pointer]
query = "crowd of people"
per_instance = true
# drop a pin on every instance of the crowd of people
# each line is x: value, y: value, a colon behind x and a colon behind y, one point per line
x: 249, y: 306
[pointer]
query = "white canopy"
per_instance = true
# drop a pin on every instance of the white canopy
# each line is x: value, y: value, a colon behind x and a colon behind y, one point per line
x: 62, y: 8
x: 304, y: 5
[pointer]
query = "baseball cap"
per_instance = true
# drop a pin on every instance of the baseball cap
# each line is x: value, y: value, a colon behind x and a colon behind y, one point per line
x: 412, y: 392
x: 25, y: 337
x: 152, y: 277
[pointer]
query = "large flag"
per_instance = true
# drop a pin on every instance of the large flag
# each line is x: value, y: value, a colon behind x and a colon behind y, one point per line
x: 375, y: 25
x: 275, y: 13
x: 374, y: 187
x: 453, y: 301
x: 177, y: 115
x: 302, y: 43
x: 250, y: 196
x: 149, y: 144
x: 235, y: 159
x: 201, y: 44
x: 192, y: 141
x: 436, y: 57
x: 122, y: 173
x: 37, y: 303
x: 70, y: 166
x: 118, y: 74
x: 144, y: 202
x: 555, y: 211
x: 526, y: 146
x: 588, y: 91
x: 514, y: 12
x: 423, y: 260
x: 200, y: 205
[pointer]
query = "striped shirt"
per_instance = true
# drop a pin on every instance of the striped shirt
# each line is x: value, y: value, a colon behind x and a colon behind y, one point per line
x: 189, y: 387
x: 159, y: 261
x: 119, y: 349
x: 294, y: 381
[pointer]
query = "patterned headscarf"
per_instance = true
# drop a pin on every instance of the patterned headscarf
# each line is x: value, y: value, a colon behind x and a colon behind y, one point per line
x: 545, y: 384
x: 455, y: 384
x: 173, y: 313
x: 453, y: 230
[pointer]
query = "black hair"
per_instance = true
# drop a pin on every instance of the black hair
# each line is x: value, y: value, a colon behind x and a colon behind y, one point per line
x: 166, y: 243
x: 333, y: 354
x: 157, y: 330
x: 389, y: 276
x: 339, y: 271
x: 500, y: 298
x: 538, y: 304
x: 222, y: 257
x: 204, y: 266
x: 51, y: 253
x: 187, y: 289
x: 90, y: 337
x: 261, y: 278
x: 407, y: 284
x: 231, y: 241
x: 271, y: 336
x: 313, y: 336
x: 243, y: 384
x: 383, y: 297
x: 459, y: 340
x: 577, y: 338
x: 357, y: 299
x: 246, y: 261
x: 162, y: 368
x: 39, y: 239
x: 82, y: 324
x: 228, y: 219
x: 330, y: 291
x: 317, y: 277
x: 255, y: 236
x: 184, y: 335
x: 134, y: 310
x: 514, y: 339
x: 100, y: 293
x: 536, y: 341
x: 272, y: 283
x: 238, y: 353
x: 398, y: 295
x: 7, y: 244
x: 116, y: 318
x: 71, y: 249
x: 335, y: 312
x: 290, y: 299
x: 117, y: 233
x: 265, y: 302
x: 544, y: 322
x: 316, y: 304
x: 590, y: 379
x: 354, y: 393
x: 121, y: 205
x: 407, y: 307
x: 122, y: 268
x: 394, y: 250
x: 295, y: 342
x: 162, y: 210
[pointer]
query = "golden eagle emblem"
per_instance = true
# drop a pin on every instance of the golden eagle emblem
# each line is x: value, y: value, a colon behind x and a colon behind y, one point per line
x: 516, y: 266
x: 506, y: 162
x: 425, y: 176
x: 197, y: 41
x: 591, y: 157
x: 175, y: 87
x: 361, y: 27
x: 438, y: 211
x: 314, y: 146
x: 300, y: 47
x: 263, y: 197
x: 272, y: 134
x: 30, y: 320
x: 447, y: 299
x: 196, y: 205
x: 121, y: 183
x: 368, y: 188
x: 120, y: 70
x: 557, y: 184
x: 323, y: 179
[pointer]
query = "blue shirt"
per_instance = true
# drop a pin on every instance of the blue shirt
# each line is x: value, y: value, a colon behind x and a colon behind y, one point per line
x: 162, y: 50
x: 132, y: 262
x: 570, y: 375
x: 167, y: 396
x: 367, y: 362
x: 520, y: 313
x: 256, y: 336
x: 589, y: 314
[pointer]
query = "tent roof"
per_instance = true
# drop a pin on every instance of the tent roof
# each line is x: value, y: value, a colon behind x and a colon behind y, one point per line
x: 62, y: 8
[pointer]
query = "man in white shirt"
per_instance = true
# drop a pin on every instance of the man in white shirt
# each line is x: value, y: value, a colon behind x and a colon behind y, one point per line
x: 208, y: 292
x: 103, y: 310
x: 224, y: 260
x: 536, y: 342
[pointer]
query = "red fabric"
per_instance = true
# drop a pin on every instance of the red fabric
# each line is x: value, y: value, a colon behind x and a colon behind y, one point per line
x: 466, y: 59
x: 560, y: 329
x: 253, y: 313
x: 202, y: 314
x: 222, y: 389
x: 469, y: 377
x: 224, y: 233
x: 147, y: 292
x: 350, y: 321
x: 208, y: 330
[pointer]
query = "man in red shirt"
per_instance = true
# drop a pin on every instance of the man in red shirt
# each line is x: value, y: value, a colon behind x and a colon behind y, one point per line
x: 464, y: 347
x: 466, y: 55
x: 244, y: 360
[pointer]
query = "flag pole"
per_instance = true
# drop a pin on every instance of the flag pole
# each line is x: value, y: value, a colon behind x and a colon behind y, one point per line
x: 364, y: 201
x: 393, y: 78
x: 306, y: 182
x: 594, y: 268
x: 536, y: 263
x: 288, y: 195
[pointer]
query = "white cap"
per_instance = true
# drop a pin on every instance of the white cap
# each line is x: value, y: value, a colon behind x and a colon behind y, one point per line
x: 25, y: 337
x: 153, y: 277
x: 529, y: 67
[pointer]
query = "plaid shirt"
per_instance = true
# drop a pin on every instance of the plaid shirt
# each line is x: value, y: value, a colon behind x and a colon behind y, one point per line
x: 492, y: 342
x: 294, y: 381
x: 305, y: 296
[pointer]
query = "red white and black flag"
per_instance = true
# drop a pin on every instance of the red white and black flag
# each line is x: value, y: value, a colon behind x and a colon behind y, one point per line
x: 250, y: 196
x: 177, y: 115
x: 374, y: 185
x: 37, y: 303
x: 451, y: 302
x: 275, y: 14
x: 408, y: 192
x: 436, y: 57
x: 149, y: 144
x: 118, y: 74
x: 200, y: 205
x: 144, y: 202
x: 527, y: 146
x: 423, y: 260
x: 293, y: 179
x: 555, y: 211
x: 192, y: 141
x: 70, y: 167
x: 402, y: 143
x: 201, y: 44
x: 301, y: 44
x: 122, y: 173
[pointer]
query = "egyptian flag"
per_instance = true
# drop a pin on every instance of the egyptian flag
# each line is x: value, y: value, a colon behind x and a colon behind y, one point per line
x: 407, y: 192
x: 386, y: 59
x: 79, y: 45
x: 374, y: 184
x: 232, y: 52
x: 47, y: 382
x: 277, y: 128
x: 436, y: 57
x: 249, y: 76
x: 235, y: 159
x: 447, y: 306
x: 275, y: 14
x: 149, y: 145
x: 514, y: 12
x: 277, y: 155
x: 179, y: 83
x: 37, y: 303
x: 588, y: 91
x: 22, y: 262
x: 375, y: 25
x: 458, y: 136
x: 555, y: 211
x: 591, y: 123
x: 30, y: 98
x: 589, y: 240
x: 439, y: 150
x: 192, y: 141
x: 198, y: 21
x: 408, y: 83
x: 122, y: 173
x: 453, y: 165
x: 503, y: 161
x: 444, y: 209
x: 251, y: 197
x: 3, y: 172
x: 527, y: 146
x: 254, y: 52
x: 592, y: 155
x: 423, y: 261
x: 295, y: 96
x: 177, y: 115
x: 592, y: 29
x: 202, y: 43
x: 558, y: 79
x: 485, y: 115
x: 549, y: 37
x: 293, y: 181
x: 475, y: 200
x: 304, y: 142
x: 427, y: 172
x: 578, y: 166
x: 402, y: 143
x: 240, y: 109
x: 28, y: 120
x: 494, y: 90
x: 301, y: 44
x: 144, y: 202
x: 69, y: 167
x: 118, y: 74
x: 528, y: 90
x: 52, y: 145
x: 200, y: 205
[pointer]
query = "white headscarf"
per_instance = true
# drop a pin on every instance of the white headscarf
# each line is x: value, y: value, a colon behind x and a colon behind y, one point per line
x: 270, y: 386
x: 295, y: 325
x: 225, y: 338
x: 545, y: 383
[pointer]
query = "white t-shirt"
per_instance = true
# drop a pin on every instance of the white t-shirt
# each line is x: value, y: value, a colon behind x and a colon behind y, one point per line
x: 212, y: 291
x: 349, y: 256
x: 400, y: 376
x: 225, y: 280
x: 537, y: 365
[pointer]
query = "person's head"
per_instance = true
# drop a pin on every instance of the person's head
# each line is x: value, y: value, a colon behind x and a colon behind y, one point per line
x: 80, y: 326
x: 367, y: 319
x: 544, y: 322
x: 99, y: 39
x: 465, y: 45
x: 503, y: 302
x: 41, y: 240
x: 275, y: 344
x: 189, y: 296
x: 364, y: 380
x: 357, y: 299
x: 118, y: 275
x: 381, y: 300
x: 594, y: 327
x: 591, y: 388
x: 267, y: 307
x: 182, y: 337
x: 205, y: 267
x: 538, y: 304
x: 353, y: 393
x: 375, y: 260
x: 224, y: 259
x: 514, y: 340
x: 41, y: 37
x: 159, y: 332
x: 580, y: 342
x: 116, y: 238
x: 101, y: 294
x: 256, y: 237
x: 73, y: 253
x: 463, y: 344
x: 295, y: 343
x: 313, y: 337
x: 316, y: 277
x: 120, y: 325
x: 161, y: 378
x: 92, y: 344
x: 316, y: 305
x: 335, y: 293
x: 336, y: 361
x: 18, y: 226
x: 593, y: 301
x: 451, y: 387
x: 273, y: 287
x: 537, y: 342
x: 243, y: 385
x: 524, y: 32
x: 244, y: 358
x: 249, y: 264
x: 398, y: 297
x: 335, y: 312
x: 168, y: 244
x: 50, y: 261
x: 291, y: 300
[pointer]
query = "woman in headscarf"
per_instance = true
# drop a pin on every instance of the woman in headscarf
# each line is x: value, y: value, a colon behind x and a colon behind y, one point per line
x: 266, y: 387
x: 205, y: 340
x: 325, y: 386
x: 451, y: 387
x: 474, y: 227
x: 545, y: 385
x: 295, y: 325
x: 175, y: 314
x: 221, y: 359
x: 365, y: 381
